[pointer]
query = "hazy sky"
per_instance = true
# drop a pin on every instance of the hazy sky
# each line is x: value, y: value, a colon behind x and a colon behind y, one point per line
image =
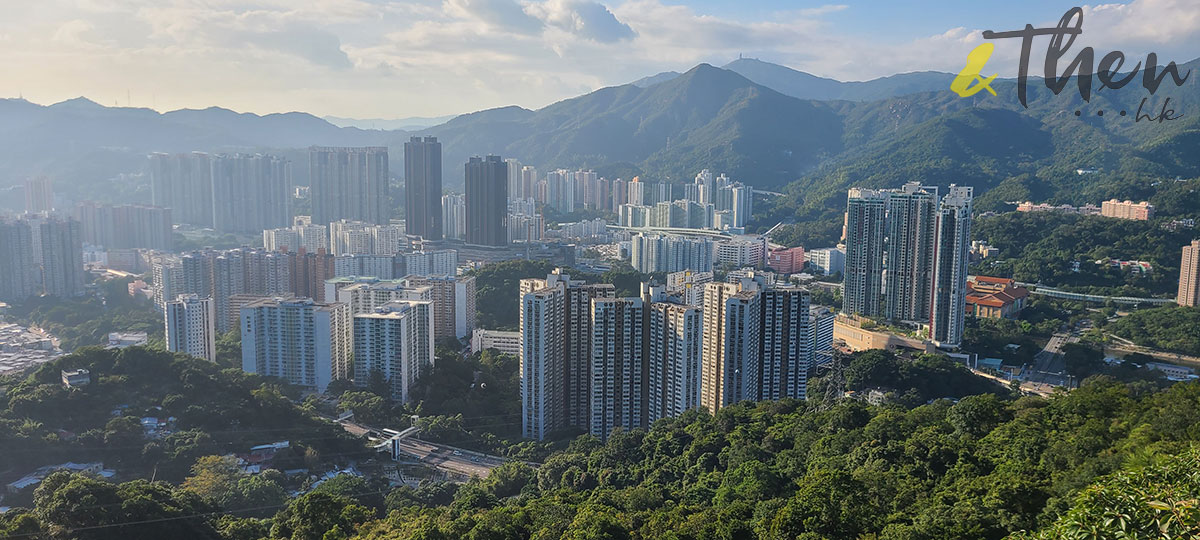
x: 384, y: 59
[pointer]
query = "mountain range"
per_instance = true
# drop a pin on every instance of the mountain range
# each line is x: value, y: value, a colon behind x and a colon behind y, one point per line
x: 799, y: 84
x: 765, y: 124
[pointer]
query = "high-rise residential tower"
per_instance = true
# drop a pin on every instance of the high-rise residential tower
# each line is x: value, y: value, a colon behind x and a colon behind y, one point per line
x: 18, y: 271
x: 952, y: 250
x: 39, y: 194
x: 191, y: 326
x: 730, y: 353
x: 542, y: 369
x: 670, y: 253
x: 617, y: 388
x: 454, y: 216
x: 577, y: 325
x: 556, y: 351
x: 125, y: 226
x: 672, y: 356
x: 183, y: 183
x: 1189, y: 276
x: 303, y: 342
x: 251, y: 193
x: 911, y: 221
x: 487, y: 201
x: 453, y: 303
x: 862, y: 291
x: 395, y: 341
x: 786, y: 354
x: 423, y: 187
x: 349, y: 183
x: 62, y: 257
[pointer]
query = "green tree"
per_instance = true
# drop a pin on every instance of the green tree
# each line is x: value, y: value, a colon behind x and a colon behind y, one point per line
x: 1082, y: 360
x: 368, y: 407
x: 1156, y: 501
x: 123, y: 431
x: 214, y: 477
x: 872, y: 368
x: 510, y: 478
x: 259, y: 495
x: 316, y: 516
x: 977, y: 415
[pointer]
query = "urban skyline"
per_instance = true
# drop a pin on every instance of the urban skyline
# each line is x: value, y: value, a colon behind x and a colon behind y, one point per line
x: 604, y: 269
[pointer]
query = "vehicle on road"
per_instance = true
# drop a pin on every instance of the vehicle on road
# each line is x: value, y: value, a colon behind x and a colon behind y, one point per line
x: 457, y: 453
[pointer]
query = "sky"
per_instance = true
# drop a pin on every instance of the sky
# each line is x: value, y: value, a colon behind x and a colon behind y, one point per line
x: 391, y: 59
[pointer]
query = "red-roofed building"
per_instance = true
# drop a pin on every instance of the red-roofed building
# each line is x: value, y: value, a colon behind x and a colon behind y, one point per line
x: 995, y: 298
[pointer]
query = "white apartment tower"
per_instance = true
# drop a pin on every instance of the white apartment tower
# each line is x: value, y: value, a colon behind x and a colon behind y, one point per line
x: 673, y: 356
x: 617, y: 386
x: 953, y: 250
x: 303, y: 342
x: 454, y: 216
x: 396, y: 341
x: 441, y: 262
x: 730, y: 353
x: 368, y: 297
x: 191, y: 326
x: 787, y: 343
x: 543, y: 374
x: 862, y: 288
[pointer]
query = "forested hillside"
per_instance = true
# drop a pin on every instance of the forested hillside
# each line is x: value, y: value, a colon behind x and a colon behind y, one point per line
x: 1074, y: 252
x: 214, y: 411
x: 981, y: 467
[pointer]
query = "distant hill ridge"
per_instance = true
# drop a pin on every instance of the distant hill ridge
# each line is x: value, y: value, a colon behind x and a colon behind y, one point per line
x: 762, y: 123
x: 799, y: 84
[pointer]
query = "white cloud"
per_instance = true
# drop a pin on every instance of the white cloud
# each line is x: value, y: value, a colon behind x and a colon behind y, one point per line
x: 504, y: 15
x: 379, y: 58
x: 822, y: 10
x: 584, y: 18
x: 74, y: 33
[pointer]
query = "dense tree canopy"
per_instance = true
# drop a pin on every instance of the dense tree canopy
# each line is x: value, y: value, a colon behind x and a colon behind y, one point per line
x: 1062, y: 250
x: 985, y: 467
x: 215, y: 412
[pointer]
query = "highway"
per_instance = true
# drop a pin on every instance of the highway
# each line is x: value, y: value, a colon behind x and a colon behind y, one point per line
x: 1049, y: 367
x: 443, y: 457
x: 451, y: 459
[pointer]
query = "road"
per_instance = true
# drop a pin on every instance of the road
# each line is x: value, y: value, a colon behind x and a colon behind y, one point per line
x: 1121, y: 346
x: 1048, y: 366
x: 443, y: 457
x: 1040, y: 389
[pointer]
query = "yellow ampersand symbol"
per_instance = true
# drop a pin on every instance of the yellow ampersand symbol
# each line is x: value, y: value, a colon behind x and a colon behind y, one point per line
x: 975, y: 62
